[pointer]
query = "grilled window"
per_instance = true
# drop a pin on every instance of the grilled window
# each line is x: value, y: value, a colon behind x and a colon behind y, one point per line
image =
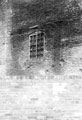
x: 37, y: 45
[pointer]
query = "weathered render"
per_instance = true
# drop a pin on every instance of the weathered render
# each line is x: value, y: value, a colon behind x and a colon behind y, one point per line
x: 5, y: 27
x: 62, y: 27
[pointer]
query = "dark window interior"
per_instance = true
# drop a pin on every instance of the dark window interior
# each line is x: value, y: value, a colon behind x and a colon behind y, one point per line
x: 37, y: 45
